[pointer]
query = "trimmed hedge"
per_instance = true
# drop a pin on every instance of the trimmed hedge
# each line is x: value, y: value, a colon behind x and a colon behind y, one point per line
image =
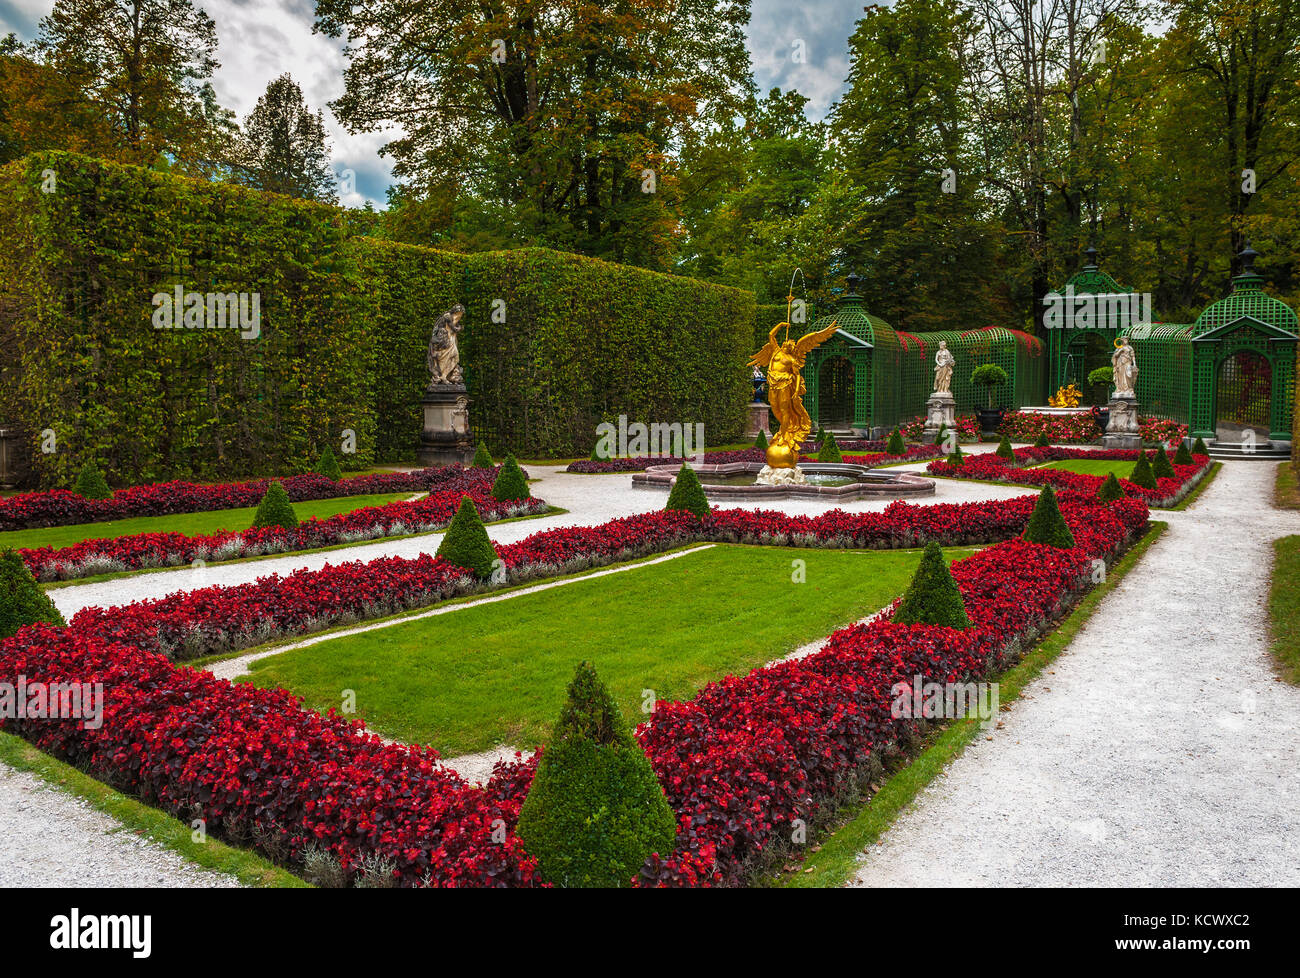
x: 466, y: 542
x: 22, y: 602
x: 1110, y: 490
x: 553, y: 343
x: 896, y: 445
x: 91, y: 484
x: 933, y: 597
x: 1183, y: 456
x: 482, y: 458
x: 1142, y: 474
x: 328, y: 466
x: 1161, y: 467
x: 830, y: 451
x: 1046, y: 524
x: 510, y: 482
x: 687, y: 494
x: 275, y: 509
x: 1005, y: 450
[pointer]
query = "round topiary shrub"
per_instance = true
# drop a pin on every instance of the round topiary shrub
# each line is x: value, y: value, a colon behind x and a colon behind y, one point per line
x: 1183, y: 456
x: 510, y: 484
x: 933, y: 597
x: 761, y: 440
x: 896, y: 444
x: 1110, y: 490
x: 1142, y: 474
x: 1162, y: 468
x: 91, y: 484
x: 328, y: 466
x: 1005, y: 451
x: 595, y: 811
x: 687, y: 493
x: 482, y: 457
x: 22, y: 602
x: 1046, y: 524
x: 466, y: 543
x: 275, y: 509
x: 830, y: 451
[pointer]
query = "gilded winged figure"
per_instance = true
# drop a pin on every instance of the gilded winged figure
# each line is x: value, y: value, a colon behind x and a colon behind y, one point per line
x: 785, y: 389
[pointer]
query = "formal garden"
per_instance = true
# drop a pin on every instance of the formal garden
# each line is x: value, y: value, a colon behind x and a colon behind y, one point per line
x: 500, y: 540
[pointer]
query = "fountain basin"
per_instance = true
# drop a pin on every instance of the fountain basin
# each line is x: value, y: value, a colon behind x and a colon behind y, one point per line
x: 831, y: 481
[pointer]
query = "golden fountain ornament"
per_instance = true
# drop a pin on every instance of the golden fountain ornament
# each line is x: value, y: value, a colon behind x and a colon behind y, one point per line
x: 785, y: 389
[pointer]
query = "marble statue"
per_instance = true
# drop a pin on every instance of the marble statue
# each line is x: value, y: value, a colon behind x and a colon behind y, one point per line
x: 944, y: 361
x: 1124, y: 362
x: 444, y: 353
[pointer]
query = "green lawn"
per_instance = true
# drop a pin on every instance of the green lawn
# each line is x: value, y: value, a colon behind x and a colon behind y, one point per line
x: 1284, y: 607
x: 496, y: 673
x: 1093, y: 466
x: 191, y: 524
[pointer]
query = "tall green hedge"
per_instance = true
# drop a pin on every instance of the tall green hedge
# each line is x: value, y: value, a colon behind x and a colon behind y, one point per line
x: 345, y: 326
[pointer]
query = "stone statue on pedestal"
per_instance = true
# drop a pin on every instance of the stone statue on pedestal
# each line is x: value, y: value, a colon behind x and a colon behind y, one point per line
x: 1123, y: 430
x: 446, y: 438
x: 944, y: 361
x: 1124, y: 363
x: 443, y: 360
x: 941, y: 408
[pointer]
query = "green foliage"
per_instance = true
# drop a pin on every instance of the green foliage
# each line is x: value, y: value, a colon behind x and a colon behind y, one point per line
x: 897, y: 446
x: 1162, y: 468
x: 510, y: 483
x: 482, y: 457
x: 989, y: 376
x: 275, y: 508
x: 1046, y: 524
x: 1198, y: 446
x: 933, y: 597
x: 328, y: 466
x: 957, y: 457
x: 91, y: 484
x: 1183, y: 456
x: 22, y: 602
x: 1142, y: 474
x: 595, y: 811
x: 687, y: 493
x: 1102, y: 375
x: 1004, y: 450
x: 1110, y: 490
x: 288, y: 152
x: 829, y: 451
x: 761, y: 440
x: 466, y: 543
x: 1042, y: 441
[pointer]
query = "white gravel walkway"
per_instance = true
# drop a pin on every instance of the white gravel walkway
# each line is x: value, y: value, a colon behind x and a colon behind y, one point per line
x: 1159, y: 749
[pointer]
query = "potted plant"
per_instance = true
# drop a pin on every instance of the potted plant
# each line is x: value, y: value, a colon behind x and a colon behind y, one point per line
x: 989, y: 376
x: 1106, y: 376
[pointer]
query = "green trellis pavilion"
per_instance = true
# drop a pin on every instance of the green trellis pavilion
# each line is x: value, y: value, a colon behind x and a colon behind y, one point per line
x: 1230, y: 371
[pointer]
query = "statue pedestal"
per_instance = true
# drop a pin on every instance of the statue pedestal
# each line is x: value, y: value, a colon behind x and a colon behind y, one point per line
x: 1123, y: 430
x: 446, y: 438
x: 758, y: 419
x: 940, y: 411
x: 769, y: 476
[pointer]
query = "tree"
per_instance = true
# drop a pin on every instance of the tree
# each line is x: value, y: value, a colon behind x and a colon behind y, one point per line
x: 286, y: 151
x: 40, y: 109
x: 145, y: 66
x: 565, y: 111
x: 933, y: 597
x: 275, y: 509
x: 1046, y: 524
x: 466, y: 542
x: 687, y: 494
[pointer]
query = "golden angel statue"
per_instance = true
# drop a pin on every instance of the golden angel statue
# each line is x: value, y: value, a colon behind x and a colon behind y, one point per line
x: 785, y: 389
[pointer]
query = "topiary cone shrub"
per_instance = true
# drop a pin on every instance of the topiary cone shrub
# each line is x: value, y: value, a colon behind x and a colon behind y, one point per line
x: 957, y: 458
x: 22, y: 602
x: 761, y: 440
x: 1110, y: 490
x: 91, y: 484
x: 1183, y: 456
x: 595, y: 811
x: 466, y: 543
x: 1042, y: 441
x: 1142, y: 474
x: 1162, y: 468
x: 933, y: 597
x: 1198, y: 447
x: 482, y: 457
x: 896, y: 444
x: 830, y: 451
x: 275, y: 509
x: 510, y: 484
x: 328, y: 466
x: 688, y: 494
x: 1046, y: 524
x: 1004, y: 450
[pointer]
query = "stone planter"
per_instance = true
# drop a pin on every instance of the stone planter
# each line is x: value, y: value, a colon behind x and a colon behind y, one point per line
x: 989, y: 419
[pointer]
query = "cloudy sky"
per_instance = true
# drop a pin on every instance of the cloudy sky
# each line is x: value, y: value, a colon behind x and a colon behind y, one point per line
x: 260, y: 39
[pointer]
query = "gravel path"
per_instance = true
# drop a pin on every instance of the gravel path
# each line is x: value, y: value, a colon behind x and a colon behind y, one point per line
x: 1159, y: 748
x: 51, y: 838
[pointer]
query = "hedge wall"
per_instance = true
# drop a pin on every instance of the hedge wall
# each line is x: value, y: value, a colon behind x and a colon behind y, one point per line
x: 345, y: 323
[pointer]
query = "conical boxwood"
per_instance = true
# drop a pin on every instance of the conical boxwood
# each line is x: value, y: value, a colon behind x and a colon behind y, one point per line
x: 1042, y: 441
x: 1005, y: 451
x: 466, y: 542
x: 830, y: 451
x: 328, y: 466
x: 1046, y: 524
x: 1110, y: 490
x: 1162, y: 468
x: 482, y: 457
x: 933, y: 597
x: 1142, y: 474
x: 687, y: 493
x: 595, y: 811
x: 510, y: 484
x: 22, y: 602
x: 896, y: 444
x: 1198, y: 447
x: 91, y: 484
x: 761, y: 440
x: 957, y: 457
x: 1183, y: 456
x: 275, y: 509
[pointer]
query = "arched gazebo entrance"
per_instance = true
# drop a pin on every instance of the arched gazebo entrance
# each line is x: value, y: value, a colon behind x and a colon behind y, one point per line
x: 835, y: 388
x: 1243, y: 393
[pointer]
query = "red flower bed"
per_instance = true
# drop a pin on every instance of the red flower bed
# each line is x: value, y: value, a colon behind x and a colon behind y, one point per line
x: 144, y: 550
x: 59, y: 507
x: 1082, y: 428
x: 991, y: 468
x: 875, y: 455
x: 968, y: 428
x: 739, y: 762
